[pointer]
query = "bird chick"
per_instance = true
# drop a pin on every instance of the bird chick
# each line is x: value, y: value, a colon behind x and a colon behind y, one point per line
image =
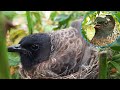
x: 104, y: 28
x: 55, y: 54
x: 33, y: 49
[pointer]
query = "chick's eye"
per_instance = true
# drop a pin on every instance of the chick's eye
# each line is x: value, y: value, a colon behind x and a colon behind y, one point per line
x: 35, y: 47
x: 106, y: 22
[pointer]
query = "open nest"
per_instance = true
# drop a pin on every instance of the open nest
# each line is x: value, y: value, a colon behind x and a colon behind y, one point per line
x: 87, y: 70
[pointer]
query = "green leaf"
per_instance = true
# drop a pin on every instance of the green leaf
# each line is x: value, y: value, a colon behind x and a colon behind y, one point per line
x: 14, y: 59
x: 53, y: 15
x: 117, y: 16
x: 37, y: 17
x: 89, y: 13
x: 84, y: 35
x: 49, y: 28
x: 116, y: 44
x: 117, y: 60
x: 115, y: 57
x: 98, y: 12
x: 117, y: 48
x: 9, y: 14
x: 116, y: 65
x: 61, y: 18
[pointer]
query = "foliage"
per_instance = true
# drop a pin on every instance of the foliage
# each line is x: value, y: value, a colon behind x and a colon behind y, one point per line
x: 14, y: 59
x: 9, y: 14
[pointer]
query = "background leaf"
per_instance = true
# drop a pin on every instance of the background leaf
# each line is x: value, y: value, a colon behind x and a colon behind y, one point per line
x: 116, y: 65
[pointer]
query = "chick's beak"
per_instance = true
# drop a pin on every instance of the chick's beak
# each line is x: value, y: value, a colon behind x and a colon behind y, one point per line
x: 97, y: 26
x: 15, y: 48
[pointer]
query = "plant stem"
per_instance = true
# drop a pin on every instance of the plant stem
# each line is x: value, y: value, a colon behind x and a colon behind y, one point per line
x: 29, y: 21
x: 4, y: 65
x: 103, y: 65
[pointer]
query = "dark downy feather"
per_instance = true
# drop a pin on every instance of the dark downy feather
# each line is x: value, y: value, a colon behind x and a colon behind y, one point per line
x: 70, y: 57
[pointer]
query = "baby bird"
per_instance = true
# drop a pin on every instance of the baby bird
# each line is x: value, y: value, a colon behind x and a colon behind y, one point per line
x: 57, y: 54
x: 104, y: 28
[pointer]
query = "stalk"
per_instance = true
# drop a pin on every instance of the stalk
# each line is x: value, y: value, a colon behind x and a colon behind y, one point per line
x: 4, y: 65
x: 103, y: 65
x: 29, y: 21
